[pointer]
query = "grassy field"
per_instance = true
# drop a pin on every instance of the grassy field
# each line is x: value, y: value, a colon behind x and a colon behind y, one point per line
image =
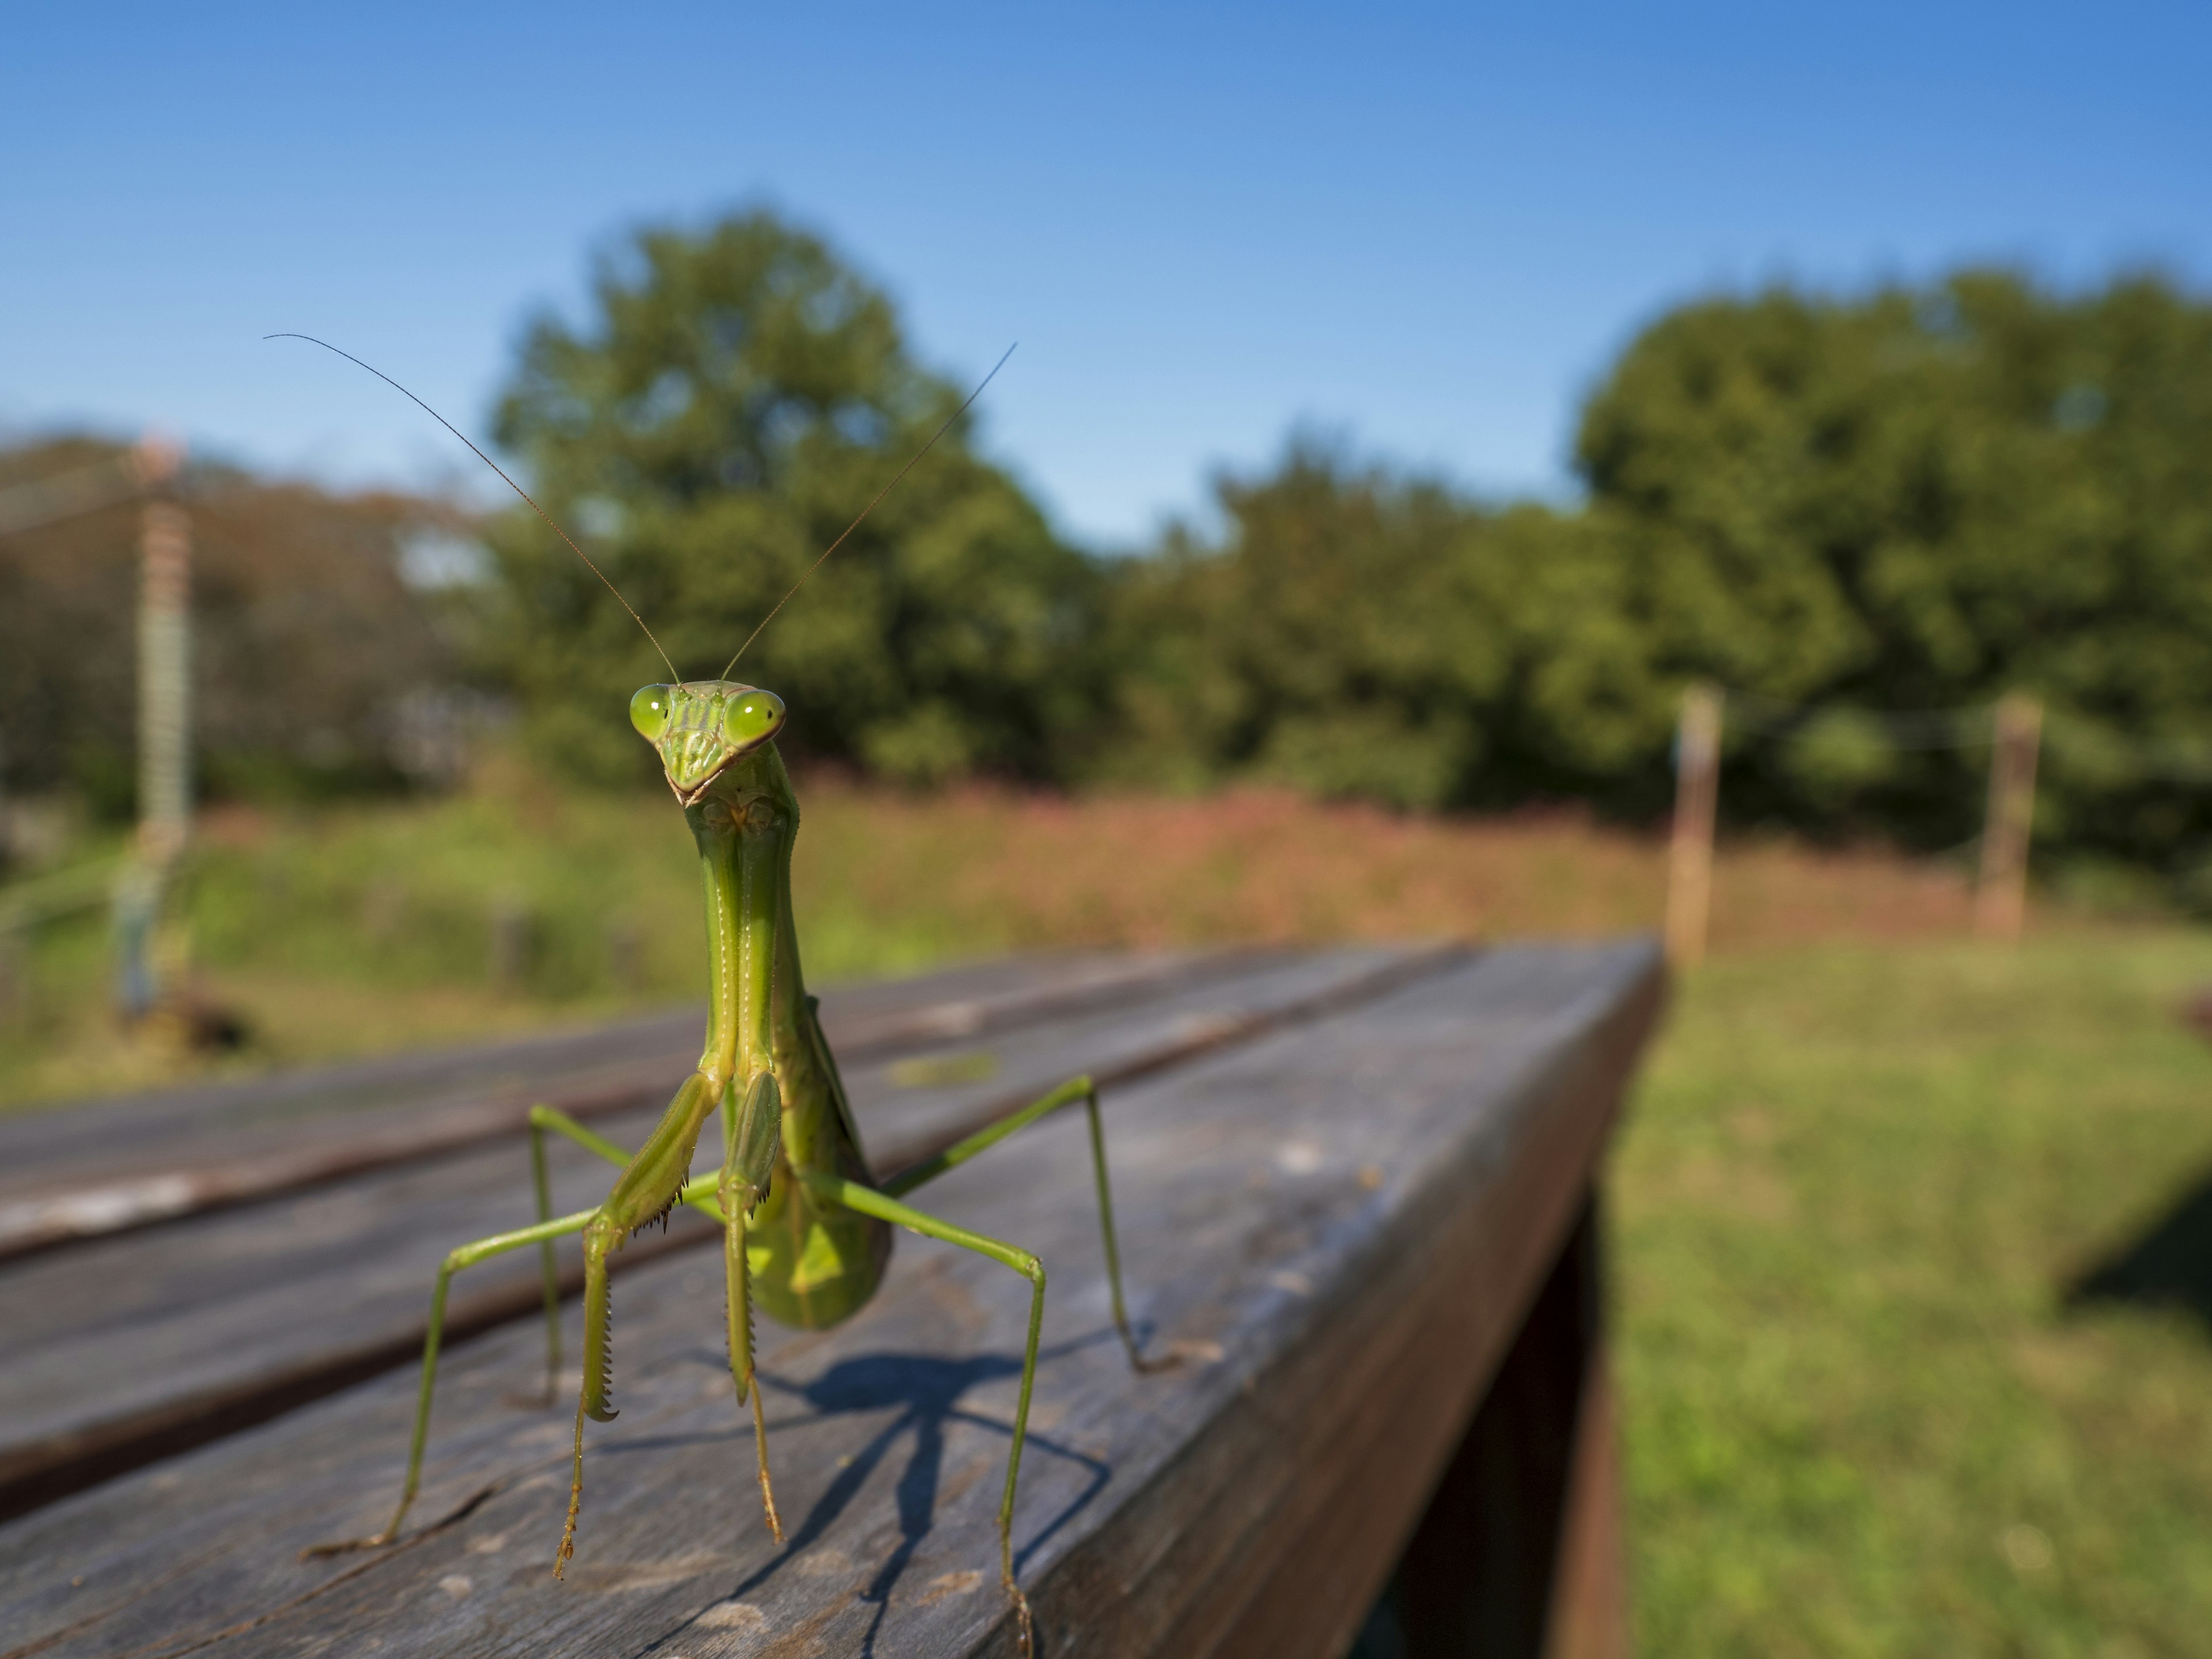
x: 1864, y: 1414
x: 352, y: 930
x: 1868, y: 1163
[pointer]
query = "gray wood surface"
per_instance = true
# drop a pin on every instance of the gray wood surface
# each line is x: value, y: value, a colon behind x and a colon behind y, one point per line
x: 136, y: 1345
x: 106, y: 1166
x: 1337, y: 1224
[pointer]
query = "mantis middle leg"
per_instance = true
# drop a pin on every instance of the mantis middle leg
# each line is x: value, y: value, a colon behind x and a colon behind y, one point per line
x: 548, y: 1229
x: 869, y: 1201
x: 1075, y: 1089
x: 466, y: 1255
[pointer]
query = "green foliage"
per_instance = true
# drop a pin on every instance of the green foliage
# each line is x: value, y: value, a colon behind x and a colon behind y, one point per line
x: 1839, y: 754
x: 736, y: 396
x: 306, y: 641
x: 1846, y: 511
x: 1919, y: 500
x: 1359, y: 633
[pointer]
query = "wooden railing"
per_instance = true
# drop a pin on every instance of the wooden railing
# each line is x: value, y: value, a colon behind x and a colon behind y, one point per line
x: 1356, y: 1190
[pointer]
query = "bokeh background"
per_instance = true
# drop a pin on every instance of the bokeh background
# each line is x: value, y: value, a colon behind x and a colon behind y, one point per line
x: 1411, y: 404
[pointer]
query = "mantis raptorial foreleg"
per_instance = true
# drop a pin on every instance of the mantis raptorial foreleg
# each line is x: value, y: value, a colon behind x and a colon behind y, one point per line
x: 727, y: 1196
x: 750, y: 1135
x: 548, y: 1229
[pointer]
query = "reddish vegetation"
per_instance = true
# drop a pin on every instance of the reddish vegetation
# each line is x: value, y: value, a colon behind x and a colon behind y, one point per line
x: 1039, y: 870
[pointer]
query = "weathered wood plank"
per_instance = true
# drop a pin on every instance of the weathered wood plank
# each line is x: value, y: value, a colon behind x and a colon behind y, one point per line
x: 133, y: 1346
x: 1341, y: 1222
x: 108, y: 1166
x: 1516, y: 1555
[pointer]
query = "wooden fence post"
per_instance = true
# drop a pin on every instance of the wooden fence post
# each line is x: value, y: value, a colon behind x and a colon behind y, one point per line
x: 512, y: 937
x: 165, y: 775
x: 1690, y: 856
x: 164, y: 745
x: 2000, y: 895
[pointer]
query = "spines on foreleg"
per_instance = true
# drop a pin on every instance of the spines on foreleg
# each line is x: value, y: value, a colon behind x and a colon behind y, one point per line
x: 598, y: 1345
x: 601, y: 1237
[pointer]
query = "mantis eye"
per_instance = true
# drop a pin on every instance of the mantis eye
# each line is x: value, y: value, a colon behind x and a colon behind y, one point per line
x: 649, y: 710
x: 752, y: 717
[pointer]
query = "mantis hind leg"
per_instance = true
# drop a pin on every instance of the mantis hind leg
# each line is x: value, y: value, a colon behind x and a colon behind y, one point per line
x: 868, y: 1201
x: 1075, y: 1089
x: 466, y: 1256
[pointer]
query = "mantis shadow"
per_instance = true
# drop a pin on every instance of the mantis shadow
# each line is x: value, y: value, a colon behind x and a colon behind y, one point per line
x: 926, y: 1391
x: 2167, y: 1265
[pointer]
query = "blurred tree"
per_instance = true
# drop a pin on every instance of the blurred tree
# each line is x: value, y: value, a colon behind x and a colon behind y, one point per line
x: 307, y: 643
x: 1846, y: 511
x: 736, y: 397
x: 1361, y: 632
x: 1919, y: 499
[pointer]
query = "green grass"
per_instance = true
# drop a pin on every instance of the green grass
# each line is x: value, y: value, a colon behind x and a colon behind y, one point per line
x: 1860, y: 1416
x: 371, y: 929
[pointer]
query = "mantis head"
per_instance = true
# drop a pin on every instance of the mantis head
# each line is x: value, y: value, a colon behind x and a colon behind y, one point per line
x: 699, y: 727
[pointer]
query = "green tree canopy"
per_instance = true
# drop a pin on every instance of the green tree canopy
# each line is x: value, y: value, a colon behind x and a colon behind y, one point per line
x: 1846, y: 510
x: 1357, y: 631
x: 736, y: 395
x: 1919, y: 499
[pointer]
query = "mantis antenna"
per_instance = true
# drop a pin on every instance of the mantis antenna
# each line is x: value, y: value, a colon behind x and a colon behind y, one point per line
x: 495, y: 467
x: 672, y: 672
x: 871, y: 506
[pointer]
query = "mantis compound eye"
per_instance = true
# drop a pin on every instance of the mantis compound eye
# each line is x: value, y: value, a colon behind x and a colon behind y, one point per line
x: 649, y: 710
x: 752, y: 717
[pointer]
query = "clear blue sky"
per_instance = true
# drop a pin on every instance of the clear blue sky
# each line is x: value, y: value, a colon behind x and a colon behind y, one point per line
x: 1428, y: 228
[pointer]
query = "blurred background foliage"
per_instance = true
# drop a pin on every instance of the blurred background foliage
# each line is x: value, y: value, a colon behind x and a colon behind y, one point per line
x: 736, y: 397
x: 1855, y: 512
x: 317, y: 665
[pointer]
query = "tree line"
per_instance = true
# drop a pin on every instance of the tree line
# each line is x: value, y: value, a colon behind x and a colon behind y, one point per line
x: 1849, y: 510
x: 311, y: 653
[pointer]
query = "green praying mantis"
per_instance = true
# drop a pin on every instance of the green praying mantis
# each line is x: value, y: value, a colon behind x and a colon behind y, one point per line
x: 806, y: 1229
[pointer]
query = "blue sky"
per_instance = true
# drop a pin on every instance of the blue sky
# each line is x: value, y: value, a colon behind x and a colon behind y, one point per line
x: 1427, y: 228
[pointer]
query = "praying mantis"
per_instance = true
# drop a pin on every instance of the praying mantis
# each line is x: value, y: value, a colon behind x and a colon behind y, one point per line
x: 806, y: 1228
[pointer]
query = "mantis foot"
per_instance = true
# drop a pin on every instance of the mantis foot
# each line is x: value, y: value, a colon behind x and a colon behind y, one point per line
x: 767, y: 1500
x: 348, y: 1545
x: 1025, y: 1627
x: 575, y: 1500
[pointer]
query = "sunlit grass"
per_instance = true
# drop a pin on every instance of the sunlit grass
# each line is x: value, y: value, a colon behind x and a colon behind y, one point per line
x: 1861, y: 1417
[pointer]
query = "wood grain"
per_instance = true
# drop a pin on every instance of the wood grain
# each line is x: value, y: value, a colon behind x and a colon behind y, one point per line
x: 1338, y: 1223
x: 134, y: 1347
